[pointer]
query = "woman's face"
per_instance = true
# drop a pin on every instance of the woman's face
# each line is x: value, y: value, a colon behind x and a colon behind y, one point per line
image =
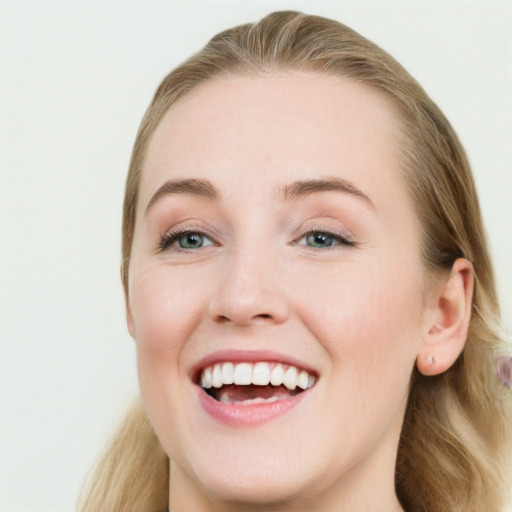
x: 273, y: 231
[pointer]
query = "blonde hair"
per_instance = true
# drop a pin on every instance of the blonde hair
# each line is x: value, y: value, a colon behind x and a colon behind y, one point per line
x: 456, y: 441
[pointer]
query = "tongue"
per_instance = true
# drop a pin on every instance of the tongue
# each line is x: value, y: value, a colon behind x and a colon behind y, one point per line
x: 237, y: 394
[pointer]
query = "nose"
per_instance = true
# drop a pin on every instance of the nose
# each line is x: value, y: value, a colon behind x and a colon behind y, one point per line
x: 248, y: 292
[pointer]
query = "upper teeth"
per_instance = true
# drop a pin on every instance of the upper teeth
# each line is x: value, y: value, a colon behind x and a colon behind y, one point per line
x: 259, y: 374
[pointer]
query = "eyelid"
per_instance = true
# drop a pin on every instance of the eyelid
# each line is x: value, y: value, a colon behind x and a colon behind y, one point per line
x: 172, y: 235
x: 343, y: 238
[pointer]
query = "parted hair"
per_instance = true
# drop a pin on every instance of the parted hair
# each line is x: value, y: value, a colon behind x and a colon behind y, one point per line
x: 455, y: 448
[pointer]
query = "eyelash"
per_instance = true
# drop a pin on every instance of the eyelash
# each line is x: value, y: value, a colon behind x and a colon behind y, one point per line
x: 173, y: 236
x: 341, y: 240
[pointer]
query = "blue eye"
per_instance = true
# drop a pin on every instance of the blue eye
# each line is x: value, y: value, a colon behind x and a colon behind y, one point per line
x: 319, y: 239
x: 323, y: 239
x: 188, y: 240
x: 191, y: 241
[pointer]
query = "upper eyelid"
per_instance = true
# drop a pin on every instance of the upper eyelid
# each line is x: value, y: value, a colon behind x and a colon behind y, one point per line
x: 205, y: 232
x: 199, y: 227
x: 172, y: 235
x: 327, y: 232
x: 190, y: 226
x: 342, y: 239
x: 320, y: 228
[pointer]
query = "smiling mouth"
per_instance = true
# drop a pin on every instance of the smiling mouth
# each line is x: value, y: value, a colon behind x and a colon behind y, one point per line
x: 253, y: 383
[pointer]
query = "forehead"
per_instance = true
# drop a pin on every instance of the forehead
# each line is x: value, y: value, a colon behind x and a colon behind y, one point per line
x: 268, y: 130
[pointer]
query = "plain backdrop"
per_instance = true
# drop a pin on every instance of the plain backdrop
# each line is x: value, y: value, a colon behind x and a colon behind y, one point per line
x: 75, y: 79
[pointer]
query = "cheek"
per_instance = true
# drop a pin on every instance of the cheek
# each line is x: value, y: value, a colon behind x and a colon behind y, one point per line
x: 164, y: 307
x: 367, y: 318
x: 165, y: 310
x: 162, y: 304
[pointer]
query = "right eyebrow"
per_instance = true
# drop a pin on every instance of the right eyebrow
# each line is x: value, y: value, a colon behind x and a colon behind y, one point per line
x: 191, y: 187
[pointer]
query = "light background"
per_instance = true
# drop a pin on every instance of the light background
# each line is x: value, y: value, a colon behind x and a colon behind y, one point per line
x: 75, y: 80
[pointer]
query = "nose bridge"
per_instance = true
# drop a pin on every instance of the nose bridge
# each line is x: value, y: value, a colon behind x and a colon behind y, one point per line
x: 249, y: 289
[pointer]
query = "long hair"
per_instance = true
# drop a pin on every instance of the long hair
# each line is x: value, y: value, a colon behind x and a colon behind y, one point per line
x: 456, y: 440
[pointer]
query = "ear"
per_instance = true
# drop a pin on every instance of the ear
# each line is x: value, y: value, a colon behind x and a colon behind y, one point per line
x: 447, y: 320
x: 129, y: 317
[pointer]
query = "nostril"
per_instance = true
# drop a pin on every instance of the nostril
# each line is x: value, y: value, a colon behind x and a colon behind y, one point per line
x: 244, y: 309
x: 226, y: 319
x: 222, y: 319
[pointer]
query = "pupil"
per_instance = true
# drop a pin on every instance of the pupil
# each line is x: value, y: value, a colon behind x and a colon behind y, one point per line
x: 319, y: 239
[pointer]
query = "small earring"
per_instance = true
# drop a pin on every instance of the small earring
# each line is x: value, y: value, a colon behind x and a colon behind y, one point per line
x: 432, y: 360
x: 503, y: 366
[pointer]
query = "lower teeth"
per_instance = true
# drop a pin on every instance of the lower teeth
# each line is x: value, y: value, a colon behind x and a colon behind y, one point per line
x: 226, y: 400
x: 248, y: 395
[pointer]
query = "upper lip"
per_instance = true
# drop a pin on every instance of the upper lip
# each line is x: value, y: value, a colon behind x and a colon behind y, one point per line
x: 247, y: 356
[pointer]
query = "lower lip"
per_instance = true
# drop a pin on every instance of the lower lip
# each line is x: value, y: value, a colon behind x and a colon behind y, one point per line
x: 239, y: 415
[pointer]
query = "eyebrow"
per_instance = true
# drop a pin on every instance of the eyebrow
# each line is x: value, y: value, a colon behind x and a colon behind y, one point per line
x: 302, y: 188
x: 190, y: 187
x: 289, y: 192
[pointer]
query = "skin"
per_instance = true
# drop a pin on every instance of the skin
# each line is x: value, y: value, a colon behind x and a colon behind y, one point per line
x: 358, y: 314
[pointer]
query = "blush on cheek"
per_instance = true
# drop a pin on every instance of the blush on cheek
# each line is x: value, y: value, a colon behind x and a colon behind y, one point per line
x: 369, y: 333
x: 163, y: 318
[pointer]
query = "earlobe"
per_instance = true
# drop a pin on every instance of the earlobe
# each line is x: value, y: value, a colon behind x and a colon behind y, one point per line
x: 448, y: 320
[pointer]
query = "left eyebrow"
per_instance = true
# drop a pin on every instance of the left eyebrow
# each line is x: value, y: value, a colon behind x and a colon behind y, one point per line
x: 302, y: 188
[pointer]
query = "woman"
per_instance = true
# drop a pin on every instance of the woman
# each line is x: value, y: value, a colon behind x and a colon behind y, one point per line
x: 309, y: 289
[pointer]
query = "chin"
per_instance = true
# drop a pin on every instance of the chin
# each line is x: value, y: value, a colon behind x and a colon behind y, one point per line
x: 255, y: 473
x: 253, y: 487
